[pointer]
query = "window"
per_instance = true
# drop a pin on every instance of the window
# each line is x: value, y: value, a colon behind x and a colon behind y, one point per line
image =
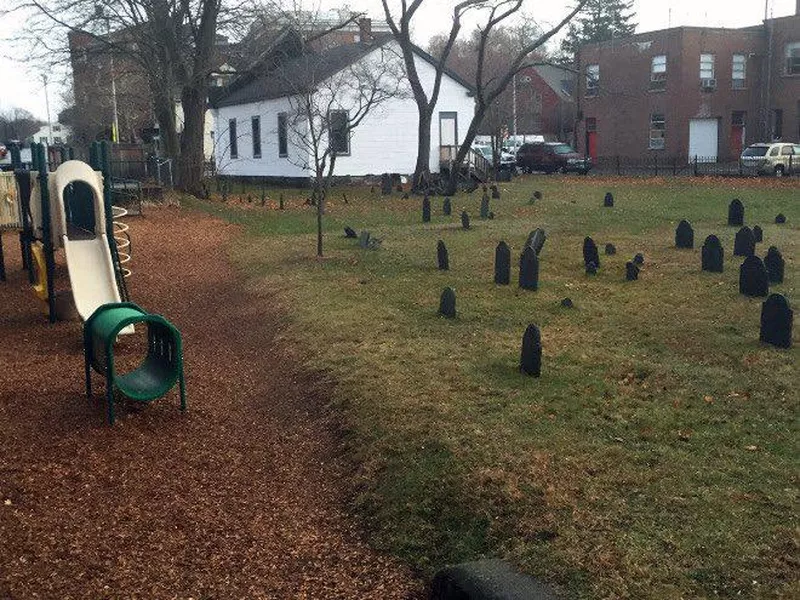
x: 738, y: 118
x: 793, y: 58
x: 256, y: 125
x: 707, y: 80
x: 658, y: 72
x: 283, y: 137
x: 591, y: 124
x: 232, y: 141
x: 657, y: 130
x: 738, y: 71
x: 339, y: 131
x: 592, y: 80
x: 786, y: 151
x: 775, y: 151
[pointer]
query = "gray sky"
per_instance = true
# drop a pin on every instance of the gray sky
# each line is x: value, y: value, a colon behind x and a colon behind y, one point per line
x: 21, y: 86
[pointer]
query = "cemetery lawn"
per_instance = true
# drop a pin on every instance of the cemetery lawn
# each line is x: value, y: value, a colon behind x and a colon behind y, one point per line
x: 657, y: 455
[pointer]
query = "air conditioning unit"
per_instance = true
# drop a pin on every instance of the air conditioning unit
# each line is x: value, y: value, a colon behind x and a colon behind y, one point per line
x: 708, y: 84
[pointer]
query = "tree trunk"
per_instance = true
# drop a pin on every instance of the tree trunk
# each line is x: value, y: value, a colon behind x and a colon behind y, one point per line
x: 192, y: 157
x: 465, y: 147
x: 422, y: 171
x: 164, y: 109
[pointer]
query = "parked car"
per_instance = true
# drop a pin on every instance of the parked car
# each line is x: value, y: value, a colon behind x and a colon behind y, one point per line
x: 777, y: 158
x: 507, y: 160
x: 551, y: 157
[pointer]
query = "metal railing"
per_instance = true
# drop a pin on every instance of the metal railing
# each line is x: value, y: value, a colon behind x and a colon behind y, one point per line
x: 697, y: 166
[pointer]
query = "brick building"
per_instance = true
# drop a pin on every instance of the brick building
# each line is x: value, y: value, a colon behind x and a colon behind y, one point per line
x: 690, y: 91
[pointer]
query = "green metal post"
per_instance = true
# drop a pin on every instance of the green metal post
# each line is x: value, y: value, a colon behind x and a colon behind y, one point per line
x: 34, y: 157
x: 47, y: 233
x: 16, y: 157
x: 71, y: 153
x: 63, y: 154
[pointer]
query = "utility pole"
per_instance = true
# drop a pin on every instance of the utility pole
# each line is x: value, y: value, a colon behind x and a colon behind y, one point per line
x: 514, y: 105
x: 47, y: 105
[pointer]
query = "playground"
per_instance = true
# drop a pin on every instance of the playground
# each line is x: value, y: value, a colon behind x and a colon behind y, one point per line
x: 240, y: 496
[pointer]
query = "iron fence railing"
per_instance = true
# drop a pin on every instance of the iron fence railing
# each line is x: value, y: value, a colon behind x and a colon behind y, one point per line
x: 696, y: 166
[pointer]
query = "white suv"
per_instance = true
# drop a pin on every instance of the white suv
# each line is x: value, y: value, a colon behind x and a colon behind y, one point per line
x: 777, y: 158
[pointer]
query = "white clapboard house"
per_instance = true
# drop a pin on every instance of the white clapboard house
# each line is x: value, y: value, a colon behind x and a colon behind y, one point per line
x: 259, y: 117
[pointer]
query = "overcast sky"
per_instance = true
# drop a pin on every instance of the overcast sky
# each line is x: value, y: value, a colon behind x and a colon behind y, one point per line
x: 21, y: 86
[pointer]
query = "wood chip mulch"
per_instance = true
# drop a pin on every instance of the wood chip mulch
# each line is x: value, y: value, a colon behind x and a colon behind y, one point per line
x: 241, y: 497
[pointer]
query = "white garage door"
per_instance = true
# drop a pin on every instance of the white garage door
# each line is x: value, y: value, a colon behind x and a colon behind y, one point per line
x: 703, y: 140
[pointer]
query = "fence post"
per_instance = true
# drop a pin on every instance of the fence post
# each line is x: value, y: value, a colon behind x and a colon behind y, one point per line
x: 674, y: 165
x: 695, y: 165
x: 655, y: 164
x: 618, y: 166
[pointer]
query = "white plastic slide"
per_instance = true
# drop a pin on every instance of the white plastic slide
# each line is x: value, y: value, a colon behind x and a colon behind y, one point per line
x: 91, y: 269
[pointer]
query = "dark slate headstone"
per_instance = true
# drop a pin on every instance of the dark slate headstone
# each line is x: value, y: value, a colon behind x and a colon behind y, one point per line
x: 363, y: 239
x: 447, y: 208
x: 350, y: 233
x: 537, y: 194
x: 736, y: 213
x: 590, y: 254
x: 528, y: 269
x: 491, y: 216
x: 442, y: 256
x: 753, y: 278
x: 758, y: 234
x: 713, y: 255
x: 684, y: 235
x: 608, y: 201
x: 591, y: 268
x: 536, y: 240
x: 447, y: 303
x: 386, y: 184
x: 638, y: 260
x: 488, y: 579
x: 611, y: 249
x: 464, y: 220
x: 530, y: 362
x: 780, y: 219
x: 502, y: 264
x: 745, y: 243
x: 485, y: 207
x: 631, y: 271
x: 495, y: 192
x: 775, y: 265
x: 567, y: 303
x: 426, y: 210
x: 776, y: 321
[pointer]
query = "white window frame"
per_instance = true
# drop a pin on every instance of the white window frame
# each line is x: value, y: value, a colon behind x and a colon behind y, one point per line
x: 707, y: 66
x: 793, y: 58
x: 658, y: 126
x: 658, y: 72
x: 592, y: 80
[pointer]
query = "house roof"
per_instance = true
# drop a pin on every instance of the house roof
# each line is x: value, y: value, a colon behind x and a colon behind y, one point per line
x: 554, y: 77
x: 297, y: 74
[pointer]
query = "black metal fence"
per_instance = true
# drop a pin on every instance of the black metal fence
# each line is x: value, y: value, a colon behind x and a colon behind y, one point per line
x: 698, y: 166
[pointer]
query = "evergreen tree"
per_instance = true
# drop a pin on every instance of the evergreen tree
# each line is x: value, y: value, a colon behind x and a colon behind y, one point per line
x: 599, y: 21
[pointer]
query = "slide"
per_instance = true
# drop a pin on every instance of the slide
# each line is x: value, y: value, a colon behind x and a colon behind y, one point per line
x: 76, y: 199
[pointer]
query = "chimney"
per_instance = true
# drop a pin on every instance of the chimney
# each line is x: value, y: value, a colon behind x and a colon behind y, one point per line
x: 365, y: 29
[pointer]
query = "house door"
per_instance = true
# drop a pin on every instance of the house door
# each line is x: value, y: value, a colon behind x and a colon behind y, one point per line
x: 703, y: 136
x: 591, y: 137
x: 737, y: 141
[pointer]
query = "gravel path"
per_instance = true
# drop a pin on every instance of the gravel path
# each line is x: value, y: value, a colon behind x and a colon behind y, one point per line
x: 241, y: 497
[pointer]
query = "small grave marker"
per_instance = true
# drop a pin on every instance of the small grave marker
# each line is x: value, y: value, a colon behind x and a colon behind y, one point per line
x: 758, y: 234
x: 485, y: 207
x: 684, y: 235
x: 442, y: 256
x: 386, y: 184
x: 530, y: 362
x: 447, y: 303
x: 776, y: 321
x: 712, y: 255
x: 426, y: 210
x: 528, y: 270
x: 745, y: 243
x: 495, y: 192
x: 608, y: 201
x: 780, y: 219
x: 736, y: 213
x: 631, y: 271
x: 567, y: 303
x: 753, y: 278
x: 502, y: 264
x: 590, y: 254
x: 536, y: 240
x: 350, y: 233
x: 610, y: 250
x: 464, y: 220
x: 775, y: 265
x: 447, y: 208
x: 638, y: 260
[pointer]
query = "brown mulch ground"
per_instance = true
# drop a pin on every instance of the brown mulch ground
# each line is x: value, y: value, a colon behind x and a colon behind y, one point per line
x: 241, y: 497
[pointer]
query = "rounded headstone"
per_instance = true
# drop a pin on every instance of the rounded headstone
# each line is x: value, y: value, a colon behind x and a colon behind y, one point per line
x: 484, y: 207
x: 753, y: 278
x: 447, y: 208
x: 780, y: 219
x: 758, y: 234
x: 776, y: 321
x: 464, y: 220
x: 530, y: 362
x: 638, y: 260
x: 775, y: 265
x: 712, y: 255
x: 502, y: 264
x: 590, y: 254
x: 447, y: 303
x: 426, y: 210
x: 608, y: 201
x: 684, y: 235
x: 631, y: 271
x: 528, y: 269
x: 567, y: 303
x: 442, y: 257
x: 610, y: 250
x: 745, y: 242
x: 736, y: 213
x: 536, y: 240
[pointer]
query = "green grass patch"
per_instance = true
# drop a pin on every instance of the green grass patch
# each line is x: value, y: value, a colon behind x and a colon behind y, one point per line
x: 656, y: 457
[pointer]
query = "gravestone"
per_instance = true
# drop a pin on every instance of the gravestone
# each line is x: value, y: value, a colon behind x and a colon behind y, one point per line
x: 363, y: 239
x: 530, y: 362
x: 736, y: 213
x: 536, y: 240
x: 567, y: 303
x: 590, y: 254
x: 608, y: 201
x: 758, y: 234
x: 684, y: 235
x: 638, y: 260
x: 776, y: 321
x: 386, y: 184
x: 528, y: 270
x: 447, y: 303
x: 447, y: 208
x: 350, y: 233
x: 753, y: 278
x: 611, y: 249
x: 495, y: 192
x: 537, y: 195
x: 502, y: 264
x: 591, y: 268
x: 780, y: 219
x: 745, y: 243
x: 491, y: 216
x: 464, y: 220
x: 774, y: 264
x: 442, y: 256
x: 280, y: 202
x: 631, y: 271
x: 713, y: 255
x: 485, y: 207
x: 426, y: 210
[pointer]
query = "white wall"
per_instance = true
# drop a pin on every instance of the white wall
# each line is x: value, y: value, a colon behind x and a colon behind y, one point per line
x: 385, y: 141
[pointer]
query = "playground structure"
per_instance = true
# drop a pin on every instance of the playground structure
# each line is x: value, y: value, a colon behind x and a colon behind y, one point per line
x: 70, y: 208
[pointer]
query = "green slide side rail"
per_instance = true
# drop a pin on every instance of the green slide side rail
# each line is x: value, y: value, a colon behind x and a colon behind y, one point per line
x: 160, y: 369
